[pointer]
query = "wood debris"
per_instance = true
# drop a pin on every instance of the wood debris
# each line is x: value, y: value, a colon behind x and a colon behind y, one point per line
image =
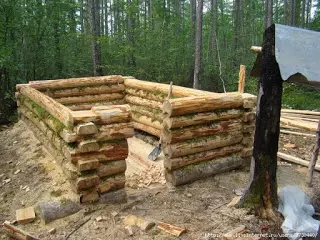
x: 173, y: 230
x: 16, y: 233
x: 129, y: 229
x: 143, y: 179
x: 25, y: 215
x: 143, y: 224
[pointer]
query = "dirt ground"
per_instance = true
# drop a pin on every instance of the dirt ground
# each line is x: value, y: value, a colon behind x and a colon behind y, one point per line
x: 200, y: 207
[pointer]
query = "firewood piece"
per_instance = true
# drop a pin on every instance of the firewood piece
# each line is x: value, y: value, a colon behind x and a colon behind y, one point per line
x: 204, y: 169
x: 202, y: 144
x: 296, y: 160
x: 199, y: 118
x: 88, y: 146
x: 16, y: 232
x: 86, y: 129
x: 148, y: 129
x: 80, y: 91
x: 233, y: 233
x: 181, y: 134
x: 89, y: 105
x: 112, y: 183
x: 314, y: 158
x: 311, y: 126
x: 25, y: 215
x: 156, y: 96
x: 74, y: 82
x: 242, y: 78
x: 146, y: 121
x: 60, y: 112
x: 90, y: 181
x: 90, y: 98
x: 179, y: 162
x: 143, y: 102
x: 111, y: 168
x: 249, y: 116
x: 88, y: 164
x: 115, y: 131
x: 173, y: 230
x: 187, y: 105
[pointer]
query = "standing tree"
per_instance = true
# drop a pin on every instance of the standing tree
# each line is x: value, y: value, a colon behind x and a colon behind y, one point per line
x: 197, y: 61
x: 214, y: 20
x: 268, y: 16
x: 93, y: 6
x: 261, y: 193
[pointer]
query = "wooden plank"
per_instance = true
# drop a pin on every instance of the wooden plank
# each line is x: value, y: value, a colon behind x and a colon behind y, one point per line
x: 306, y: 112
x: 296, y: 160
x: 60, y: 112
x: 311, y: 126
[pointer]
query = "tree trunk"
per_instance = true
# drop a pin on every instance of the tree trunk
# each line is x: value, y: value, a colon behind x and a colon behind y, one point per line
x: 214, y: 16
x: 150, y: 12
x: 81, y: 16
x: 309, y: 5
x: 268, y: 13
x: 292, y: 12
x: 197, y: 62
x: 286, y: 12
x: 261, y: 193
x: 303, y: 14
x: 193, y: 15
x: 95, y: 33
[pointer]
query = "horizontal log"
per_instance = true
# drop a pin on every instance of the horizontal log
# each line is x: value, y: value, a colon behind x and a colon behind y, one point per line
x: 147, y: 137
x: 306, y: 112
x: 86, y: 129
x: 202, y: 144
x: 112, y: 183
x: 302, y: 118
x: 156, y: 96
x: 57, y: 110
x: 75, y: 158
x: 311, y: 126
x: 200, y: 157
x: 285, y: 115
x: 115, y: 131
x: 90, y: 98
x: 296, y: 160
x: 143, y: 102
x: 80, y: 91
x: 249, y: 116
x: 205, y: 169
x: 247, y: 152
x: 137, y: 117
x: 247, y: 140
x: 88, y: 164
x: 88, y: 106
x: 199, y: 118
x: 148, y: 129
x: 73, y: 82
x: 249, y: 100
x: 87, y: 146
x: 187, y: 105
x: 297, y: 133
x: 115, y: 150
x: 89, y: 196
x: 111, y: 168
x: 104, y: 114
x: 87, y: 182
x: 248, y: 128
x: 147, y: 111
x: 163, y: 88
x: 182, y: 134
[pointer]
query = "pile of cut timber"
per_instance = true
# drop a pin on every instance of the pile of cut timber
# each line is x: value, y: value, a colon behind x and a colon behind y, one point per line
x: 299, y: 119
x: 90, y: 145
x: 206, y: 135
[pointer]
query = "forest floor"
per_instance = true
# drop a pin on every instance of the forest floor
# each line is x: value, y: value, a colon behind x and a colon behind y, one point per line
x: 200, y: 207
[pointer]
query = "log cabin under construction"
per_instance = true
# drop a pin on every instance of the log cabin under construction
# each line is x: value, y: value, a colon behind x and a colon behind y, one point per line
x: 85, y: 123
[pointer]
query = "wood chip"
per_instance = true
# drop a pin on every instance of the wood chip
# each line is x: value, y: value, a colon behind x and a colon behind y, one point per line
x: 173, y: 230
x: 290, y: 145
x: 99, y: 219
x: 17, y: 171
x: 7, y: 180
x: 114, y: 214
x: 234, y: 201
x: 52, y: 231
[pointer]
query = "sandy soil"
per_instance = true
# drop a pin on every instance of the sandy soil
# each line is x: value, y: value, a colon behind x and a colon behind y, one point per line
x: 200, y: 207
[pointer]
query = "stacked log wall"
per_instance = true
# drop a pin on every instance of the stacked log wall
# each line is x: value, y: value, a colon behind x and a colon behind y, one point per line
x: 206, y: 135
x: 90, y: 145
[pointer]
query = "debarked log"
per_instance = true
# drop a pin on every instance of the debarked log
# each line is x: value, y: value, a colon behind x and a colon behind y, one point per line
x: 181, y: 134
x: 179, y: 162
x: 80, y: 91
x: 143, y: 102
x: 199, y: 118
x: 156, y: 96
x: 205, y: 169
x: 148, y: 129
x: 112, y: 183
x: 111, y: 168
x: 187, y: 105
x: 114, y: 131
x: 90, y: 98
x: 147, y: 111
x: 136, y: 117
x: 89, y: 105
x: 202, y: 144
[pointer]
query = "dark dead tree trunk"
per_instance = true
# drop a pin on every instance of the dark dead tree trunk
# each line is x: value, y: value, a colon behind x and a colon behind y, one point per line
x: 268, y: 13
x: 261, y: 193
x: 197, y: 61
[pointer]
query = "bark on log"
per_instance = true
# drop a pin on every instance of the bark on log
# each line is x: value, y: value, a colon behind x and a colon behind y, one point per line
x: 179, y: 162
x: 147, y: 137
x: 205, y: 169
x: 156, y: 96
x: 90, y: 98
x: 74, y: 82
x: 88, y: 106
x: 111, y: 168
x: 89, y: 196
x: 112, y: 183
x: 146, y: 121
x: 181, y: 134
x: 148, y: 129
x: 194, y: 119
x: 87, y: 146
x: 149, y: 112
x: 311, y: 126
x: 249, y: 100
x: 88, y: 164
x: 87, y: 182
x: 163, y: 88
x: 60, y: 112
x: 114, y: 131
x: 202, y: 144
x: 80, y: 91
x: 115, y: 150
x: 187, y: 105
x: 143, y: 102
